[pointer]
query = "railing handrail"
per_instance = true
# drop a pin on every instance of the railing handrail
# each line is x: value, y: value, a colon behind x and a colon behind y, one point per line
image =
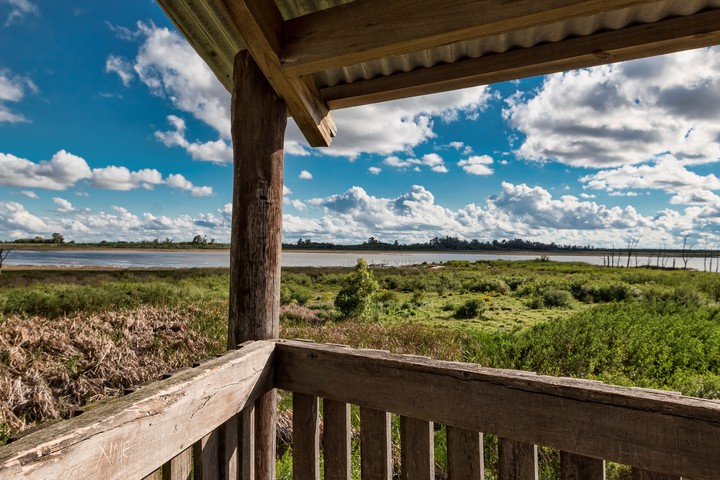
x: 132, y: 436
x: 647, y: 429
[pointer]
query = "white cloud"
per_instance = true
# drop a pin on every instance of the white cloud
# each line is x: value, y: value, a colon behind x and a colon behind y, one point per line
x: 13, y: 88
x: 122, y: 67
x: 625, y: 113
x: 667, y: 173
x: 432, y: 160
x: 18, y: 10
x: 65, y: 170
x: 439, y: 169
x: 477, y: 165
x: 16, y: 221
x: 217, y: 151
x: 375, y: 170
x: 395, y: 162
x: 63, y: 205
x: 60, y: 172
x: 29, y: 194
x: 456, y: 145
x: 305, y: 175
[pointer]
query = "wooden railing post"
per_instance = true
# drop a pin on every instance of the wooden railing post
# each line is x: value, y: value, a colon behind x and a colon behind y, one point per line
x: 517, y: 460
x: 258, y: 128
x: 306, y: 437
x: 179, y: 468
x: 417, y: 449
x: 375, y: 447
x: 206, y: 459
x: 465, y: 454
x: 336, y: 441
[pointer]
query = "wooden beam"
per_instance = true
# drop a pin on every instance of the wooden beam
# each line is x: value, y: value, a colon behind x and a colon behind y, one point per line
x: 258, y: 131
x: 417, y: 449
x: 336, y: 441
x: 366, y: 30
x: 306, y: 437
x: 665, y: 433
x: 260, y: 24
x: 517, y: 460
x: 666, y: 36
x: 465, y: 454
x: 376, y: 461
x: 132, y: 436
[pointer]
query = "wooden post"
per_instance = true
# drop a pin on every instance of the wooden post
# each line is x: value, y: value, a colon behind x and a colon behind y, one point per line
x: 258, y: 129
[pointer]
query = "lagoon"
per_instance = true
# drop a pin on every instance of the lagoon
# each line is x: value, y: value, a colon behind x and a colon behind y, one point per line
x: 221, y: 258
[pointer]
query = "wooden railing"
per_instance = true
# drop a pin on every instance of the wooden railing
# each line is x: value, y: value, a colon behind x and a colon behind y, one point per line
x: 661, y: 435
x: 187, y: 426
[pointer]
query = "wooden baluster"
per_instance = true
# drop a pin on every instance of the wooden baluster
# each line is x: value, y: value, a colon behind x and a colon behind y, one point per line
x: 516, y: 460
x: 156, y: 475
x: 578, y: 467
x: 375, y: 448
x: 206, y: 457
x: 246, y: 439
x: 640, y: 474
x: 229, y: 449
x: 417, y: 449
x: 465, y: 454
x: 336, y: 440
x: 179, y: 468
x: 306, y: 437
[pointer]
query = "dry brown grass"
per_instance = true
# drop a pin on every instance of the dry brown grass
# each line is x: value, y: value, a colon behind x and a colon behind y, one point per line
x: 51, y: 367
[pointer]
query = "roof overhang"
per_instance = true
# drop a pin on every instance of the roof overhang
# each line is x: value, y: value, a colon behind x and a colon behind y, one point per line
x: 326, y: 54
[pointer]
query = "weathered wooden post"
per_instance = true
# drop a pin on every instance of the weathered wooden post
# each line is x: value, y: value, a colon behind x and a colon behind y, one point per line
x: 259, y: 119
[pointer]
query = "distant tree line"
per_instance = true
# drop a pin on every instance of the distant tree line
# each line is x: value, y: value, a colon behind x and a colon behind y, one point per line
x: 442, y: 244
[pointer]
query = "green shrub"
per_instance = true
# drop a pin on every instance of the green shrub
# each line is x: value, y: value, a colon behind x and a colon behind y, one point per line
x: 557, y: 298
x: 470, y: 309
x: 357, y: 297
x: 487, y: 285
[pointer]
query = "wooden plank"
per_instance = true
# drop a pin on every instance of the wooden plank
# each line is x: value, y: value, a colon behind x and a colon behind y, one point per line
x: 306, y: 437
x: 258, y: 131
x: 131, y: 436
x: 260, y: 24
x: 516, y: 460
x: 578, y: 467
x: 229, y: 461
x: 465, y: 454
x: 246, y: 437
x: 336, y: 440
x: 156, y: 475
x: 665, y: 433
x: 179, y: 468
x: 366, y: 30
x: 417, y: 449
x: 206, y: 457
x: 640, y: 474
x: 375, y: 447
x: 666, y: 36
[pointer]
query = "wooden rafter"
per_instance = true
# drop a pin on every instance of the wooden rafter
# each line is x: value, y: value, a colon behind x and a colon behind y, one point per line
x: 365, y: 30
x: 666, y: 36
x: 260, y: 25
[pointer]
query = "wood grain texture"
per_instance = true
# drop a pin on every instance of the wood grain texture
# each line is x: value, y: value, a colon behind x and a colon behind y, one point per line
x: 465, y: 454
x: 366, y: 30
x: 666, y: 433
x: 180, y: 467
x: 131, y: 436
x: 306, y: 437
x: 336, y: 440
x: 375, y: 445
x: 246, y: 447
x: 577, y: 467
x: 517, y: 460
x: 229, y: 461
x: 156, y: 475
x: 265, y: 436
x: 640, y: 474
x: 417, y: 449
x: 206, y: 457
x: 260, y: 24
x: 666, y: 36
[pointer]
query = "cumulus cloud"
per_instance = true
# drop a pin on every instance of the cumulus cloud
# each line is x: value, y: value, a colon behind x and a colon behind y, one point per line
x: 477, y: 165
x: 17, y: 221
x: 305, y: 175
x: 432, y: 160
x: 625, y: 113
x: 375, y: 170
x: 29, y: 194
x: 19, y: 9
x: 122, y: 67
x: 65, y: 170
x: 217, y: 151
x: 13, y: 88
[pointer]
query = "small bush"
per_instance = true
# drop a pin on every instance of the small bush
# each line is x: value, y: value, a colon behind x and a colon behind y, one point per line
x: 487, y: 285
x: 470, y: 309
x: 357, y: 297
x: 557, y: 298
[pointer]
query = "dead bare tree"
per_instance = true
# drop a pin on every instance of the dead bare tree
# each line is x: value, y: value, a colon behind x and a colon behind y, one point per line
x: 632, y: 243
x: 4, y: 252
x: 686, y: 251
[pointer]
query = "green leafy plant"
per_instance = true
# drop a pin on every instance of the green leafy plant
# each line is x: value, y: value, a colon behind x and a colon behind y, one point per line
x: 357, y: 297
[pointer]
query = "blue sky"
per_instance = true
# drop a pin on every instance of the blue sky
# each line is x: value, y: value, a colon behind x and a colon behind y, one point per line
x: 111, y: 128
